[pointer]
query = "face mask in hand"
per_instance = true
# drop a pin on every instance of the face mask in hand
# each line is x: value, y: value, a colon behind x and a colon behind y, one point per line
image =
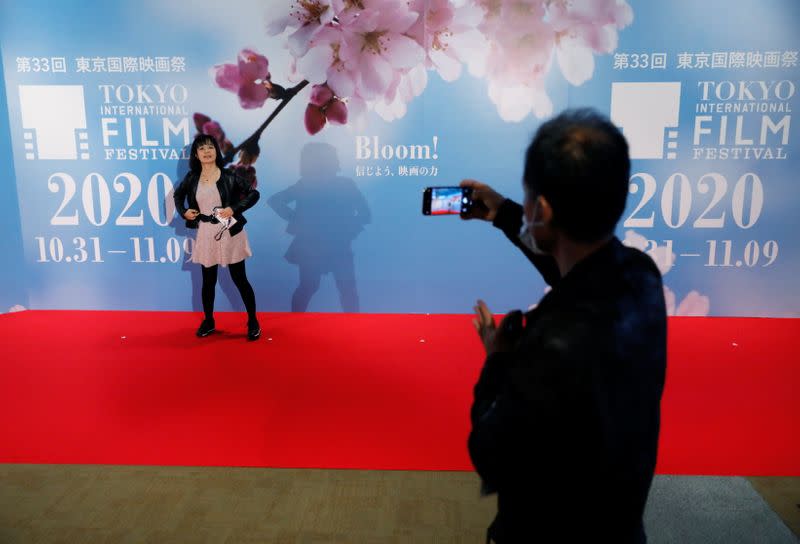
x: 526, y: 236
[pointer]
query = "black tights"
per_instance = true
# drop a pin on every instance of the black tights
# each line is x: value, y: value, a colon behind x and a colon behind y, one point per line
x: 239, y: 277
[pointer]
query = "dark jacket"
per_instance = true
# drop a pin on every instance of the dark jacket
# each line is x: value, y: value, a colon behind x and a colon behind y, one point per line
x: 565, y: 427
x: 234, y: 191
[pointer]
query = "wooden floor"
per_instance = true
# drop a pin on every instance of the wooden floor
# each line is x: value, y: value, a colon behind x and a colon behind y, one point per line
x: 90, y: 503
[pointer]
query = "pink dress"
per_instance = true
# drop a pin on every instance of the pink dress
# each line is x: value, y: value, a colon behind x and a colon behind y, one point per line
x: 208, y: 251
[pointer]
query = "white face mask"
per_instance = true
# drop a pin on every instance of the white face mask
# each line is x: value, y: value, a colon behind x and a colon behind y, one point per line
x: 526, y: 236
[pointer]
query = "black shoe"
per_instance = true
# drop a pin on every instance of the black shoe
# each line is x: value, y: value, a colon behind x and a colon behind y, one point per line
x: 253, y: 330
x: 206, y: 328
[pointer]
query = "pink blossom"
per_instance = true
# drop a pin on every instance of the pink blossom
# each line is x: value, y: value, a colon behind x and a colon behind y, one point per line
x: 324, y: 64
x: 374, y: 53
x: 336, y: 112
x: 514, y: 103
x: 324, y: 106
x: 694, y: 304
x: 524, y: 37
x: 367, y: 58
x: 375, y: 47
x: 206, y: 125
x: 320, y: 95
x: 308, y: 17
x: 249, y: 78
x: 567, y: 13
x: 200, y: 119
x: 518, y: 57
x: 406, y: 86
x: 584, y: 27
x: 447, y: 34
x: 314, y: 119
x: 356, y: 112
x: 213, y: 129
x: 575, y: 60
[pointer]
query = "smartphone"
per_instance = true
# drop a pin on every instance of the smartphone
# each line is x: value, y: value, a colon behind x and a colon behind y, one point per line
x: 446, y: 200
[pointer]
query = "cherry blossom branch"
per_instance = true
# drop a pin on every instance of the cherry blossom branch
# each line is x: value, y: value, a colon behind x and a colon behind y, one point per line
x: 286, y: 96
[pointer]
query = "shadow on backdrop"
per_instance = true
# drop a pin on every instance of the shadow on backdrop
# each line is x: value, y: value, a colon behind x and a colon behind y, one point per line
x: 325, y: 213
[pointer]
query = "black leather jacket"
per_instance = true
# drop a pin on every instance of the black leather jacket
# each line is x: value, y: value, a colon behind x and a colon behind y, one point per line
x: 234, y: 191
x: 565, y: 427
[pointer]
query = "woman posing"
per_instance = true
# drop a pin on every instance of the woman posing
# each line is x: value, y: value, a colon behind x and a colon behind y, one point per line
x: 216, y: 199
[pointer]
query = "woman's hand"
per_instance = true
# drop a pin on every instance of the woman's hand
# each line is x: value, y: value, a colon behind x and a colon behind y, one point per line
x: 191, y: 214
x: 225, y: 213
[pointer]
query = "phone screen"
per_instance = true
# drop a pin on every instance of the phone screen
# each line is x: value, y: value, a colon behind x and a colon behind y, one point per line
x: 446, y: 200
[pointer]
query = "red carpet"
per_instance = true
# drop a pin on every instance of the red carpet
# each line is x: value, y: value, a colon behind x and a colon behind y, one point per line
x: 350, y: 391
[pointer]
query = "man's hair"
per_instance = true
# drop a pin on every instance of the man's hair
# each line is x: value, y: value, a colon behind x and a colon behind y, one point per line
x: 579, y: 162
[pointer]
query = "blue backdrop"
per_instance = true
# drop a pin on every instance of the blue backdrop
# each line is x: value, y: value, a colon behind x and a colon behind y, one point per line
x: 101, y: 100
x: 13, y: 295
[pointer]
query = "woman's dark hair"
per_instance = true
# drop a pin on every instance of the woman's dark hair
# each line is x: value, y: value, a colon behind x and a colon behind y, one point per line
x: 194, y: 162
x: 579, y: 162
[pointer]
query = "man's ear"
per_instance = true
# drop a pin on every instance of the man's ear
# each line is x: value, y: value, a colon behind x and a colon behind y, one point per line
x: 545, y: 211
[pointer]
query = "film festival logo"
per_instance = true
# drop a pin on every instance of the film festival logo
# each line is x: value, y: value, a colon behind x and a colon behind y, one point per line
x: 54, y: 122
x: 648, y: 115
